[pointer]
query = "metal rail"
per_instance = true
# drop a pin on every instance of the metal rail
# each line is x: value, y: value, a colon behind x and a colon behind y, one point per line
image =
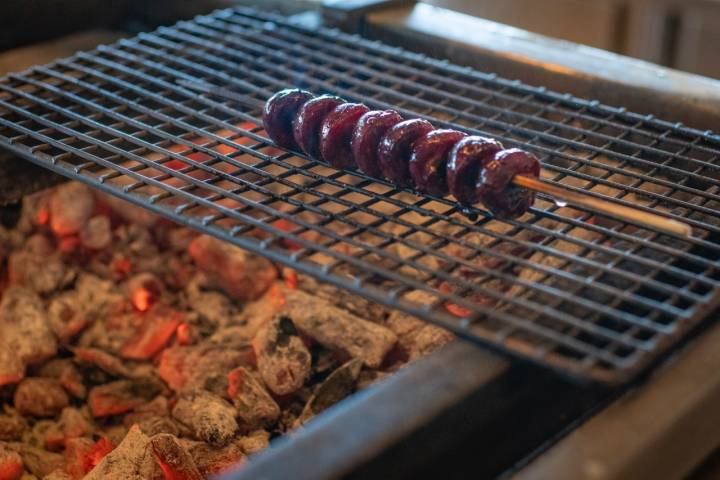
x: 560, y: 286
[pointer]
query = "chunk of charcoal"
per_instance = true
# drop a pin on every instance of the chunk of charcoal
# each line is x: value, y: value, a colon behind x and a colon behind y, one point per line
x: 59, y: 474
x: 173, y: 459
x: 121, y: 396
x: 26, y: 336
x: 40, y: 397
x: 154, y: 425
x: 254, y: 442
x: 71, y: 206
x: 242, y: 275
x: 46, y: 434
x: 212, y: 461
x: 214, y: 307
x: 157, y: 328
x: 338, y: 385
x: 66, y: 317
x: 415, y: 337
x: 40, y: 272
x: 338, y: 329
x: 76, y: 456
x: 428, y: 339
x: 36, y: 460
x: 12, y: 426
x: 65, y: 372
x: 210, y: 417
x: 103, y: 360
x: 132, y: 459
x: 255, y: 407
x: 202, y: 366
x: 344, y: 299
x: 283, y: 360
x: 75, y: 423
x: 11, y: 465
x: 96, y: 234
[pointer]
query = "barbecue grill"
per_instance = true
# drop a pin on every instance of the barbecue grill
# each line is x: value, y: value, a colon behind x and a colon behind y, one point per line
x: 592, y: 297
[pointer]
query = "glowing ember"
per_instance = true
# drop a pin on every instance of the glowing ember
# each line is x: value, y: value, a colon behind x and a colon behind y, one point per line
x: 43, y: 216
x: 291, y: 278
x: 184, y: 334
x: 122, y: 266
x: 142, y: 299
x: 287, y: 226
x: 68, y: 244
x: 453, y: 308
x: 97, y: 452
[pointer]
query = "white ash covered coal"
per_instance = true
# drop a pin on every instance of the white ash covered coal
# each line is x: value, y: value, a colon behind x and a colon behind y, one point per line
x: 131, y: 348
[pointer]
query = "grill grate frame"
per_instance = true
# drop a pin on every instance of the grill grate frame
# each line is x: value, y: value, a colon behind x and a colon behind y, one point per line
x: 563, y: 287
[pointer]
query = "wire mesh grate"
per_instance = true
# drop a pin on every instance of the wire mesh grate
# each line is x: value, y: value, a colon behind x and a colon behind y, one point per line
x: 561, y: 286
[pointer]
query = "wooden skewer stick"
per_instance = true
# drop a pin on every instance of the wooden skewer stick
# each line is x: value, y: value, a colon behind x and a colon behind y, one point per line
x: 610, y: 209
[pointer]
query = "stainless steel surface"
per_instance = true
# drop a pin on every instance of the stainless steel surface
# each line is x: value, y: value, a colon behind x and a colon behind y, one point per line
x: 562, y: 287
x: 660, y: 431
x: 567, y: 67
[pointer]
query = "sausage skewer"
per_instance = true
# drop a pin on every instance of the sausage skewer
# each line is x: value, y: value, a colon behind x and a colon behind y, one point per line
x: 374, y: 148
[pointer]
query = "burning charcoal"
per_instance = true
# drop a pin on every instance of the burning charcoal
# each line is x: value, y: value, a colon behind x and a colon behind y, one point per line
x: 74, y: 423
x: 38, y: 269
x: 97, y: 233
x: 214, y: 307
x: 115, y: 433
x: 11, y: 465
x: 26, y: 337
x: 12, y: 426
x: 179, y: 239
x: 121, y: 396
x: 132, y: 459
x: 254, y: 405
x: 35, y: 212
x: 38, y: 461
x: 254, y: 441
x: 211, y: 418
x: 428, y: 339
x: 158, y: 327
x: 59, y: 474
x: 143, y: 290
x: 71, y: 206
x: 65, y: 371
x: 282, y: 358
x: 416, y: 337
x: 339, y: 330
x: 212, y: 461
x: 202, y: 366
x: 103, y: 360
x: 66, y: 316
x: 46, y: 434
x: 40, y: 397
x: 260, y: 312
x: 173, y: 459
x: 82, y: 455
x: 76, y: 451
x: 241, y: 274
x: 342, y: 298
x: 129, y: 212
x: 156, y: 425
x: 336, y: 386
x: 153, y: 417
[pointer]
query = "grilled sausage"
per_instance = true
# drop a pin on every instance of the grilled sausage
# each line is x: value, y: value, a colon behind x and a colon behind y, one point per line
x: 472, y: 168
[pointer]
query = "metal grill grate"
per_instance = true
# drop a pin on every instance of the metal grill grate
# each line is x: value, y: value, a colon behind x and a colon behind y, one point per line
x: 561, y: 286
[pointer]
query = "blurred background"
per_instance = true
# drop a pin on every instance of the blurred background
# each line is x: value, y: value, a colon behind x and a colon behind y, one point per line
x: 682, y: 34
